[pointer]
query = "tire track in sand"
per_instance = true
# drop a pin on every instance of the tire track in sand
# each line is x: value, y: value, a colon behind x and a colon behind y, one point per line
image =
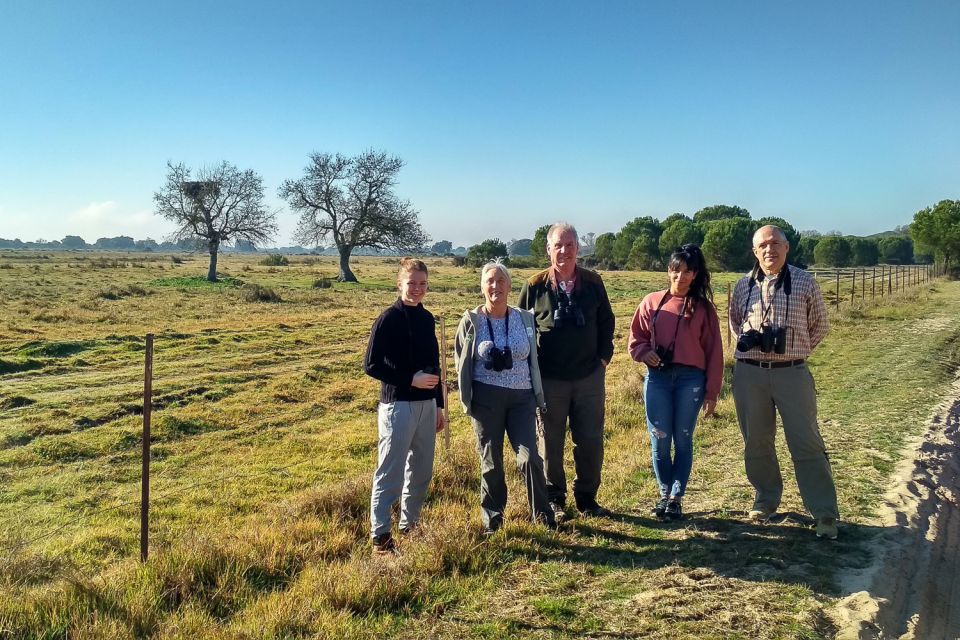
x: 912, y: 589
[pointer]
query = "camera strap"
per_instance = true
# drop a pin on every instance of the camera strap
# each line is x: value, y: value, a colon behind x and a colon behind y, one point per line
x: 506, y: 329
x: 783, y: 282
x: 653, y: 321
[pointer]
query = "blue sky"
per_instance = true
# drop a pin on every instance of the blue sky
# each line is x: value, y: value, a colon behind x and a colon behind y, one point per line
x: 835, y: 116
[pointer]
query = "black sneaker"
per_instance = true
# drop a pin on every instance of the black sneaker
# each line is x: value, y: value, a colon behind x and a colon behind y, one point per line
x: 660, y: 509
x: 384, y: 545
x: 410, y: 529
x: 674, y: 511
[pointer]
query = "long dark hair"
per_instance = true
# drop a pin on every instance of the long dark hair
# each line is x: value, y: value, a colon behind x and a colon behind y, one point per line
x: 691, y: 255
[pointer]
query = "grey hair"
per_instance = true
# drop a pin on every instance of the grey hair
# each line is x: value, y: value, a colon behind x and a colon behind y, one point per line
x: 562, y: 227
x: 499, y: 266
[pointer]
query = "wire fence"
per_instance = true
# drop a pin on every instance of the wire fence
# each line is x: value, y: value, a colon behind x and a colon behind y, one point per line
x: 839, y: 287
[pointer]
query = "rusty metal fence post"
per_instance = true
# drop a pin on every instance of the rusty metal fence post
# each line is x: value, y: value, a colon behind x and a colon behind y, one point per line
x: 145, y: 472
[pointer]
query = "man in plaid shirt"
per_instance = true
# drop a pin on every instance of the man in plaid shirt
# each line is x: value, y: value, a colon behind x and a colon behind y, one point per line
x: 771, y: 375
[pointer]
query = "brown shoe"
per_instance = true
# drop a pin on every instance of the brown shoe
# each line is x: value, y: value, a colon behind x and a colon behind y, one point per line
x: 384, y: 545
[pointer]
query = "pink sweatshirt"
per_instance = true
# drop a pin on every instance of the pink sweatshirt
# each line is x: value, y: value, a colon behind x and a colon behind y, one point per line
x: 698, y: 339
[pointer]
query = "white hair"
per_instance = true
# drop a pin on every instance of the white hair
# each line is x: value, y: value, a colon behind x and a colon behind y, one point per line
x: 499, y: 266
x: 559, y: 228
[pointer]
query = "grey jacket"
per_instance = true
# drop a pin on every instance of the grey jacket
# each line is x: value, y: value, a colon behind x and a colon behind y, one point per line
x: 463, y: 355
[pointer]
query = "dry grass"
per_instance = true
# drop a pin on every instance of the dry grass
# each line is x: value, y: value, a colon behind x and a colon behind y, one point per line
x: 264, y: 443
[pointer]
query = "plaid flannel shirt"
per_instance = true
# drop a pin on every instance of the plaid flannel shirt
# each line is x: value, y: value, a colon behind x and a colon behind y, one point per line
x: 807, y: 320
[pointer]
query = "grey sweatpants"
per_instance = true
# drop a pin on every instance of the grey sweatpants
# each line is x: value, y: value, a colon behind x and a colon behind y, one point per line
x: 582, y: 401
x: 498, y: 411
x: 408, y: 435
x: 759, y: 394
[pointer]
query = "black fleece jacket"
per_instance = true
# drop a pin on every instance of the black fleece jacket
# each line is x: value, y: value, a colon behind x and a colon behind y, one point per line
x: 570, y: 352
x: 403, y: 341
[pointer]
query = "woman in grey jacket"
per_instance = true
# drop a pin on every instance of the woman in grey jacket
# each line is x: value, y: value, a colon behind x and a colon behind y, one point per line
x: 500, y: 389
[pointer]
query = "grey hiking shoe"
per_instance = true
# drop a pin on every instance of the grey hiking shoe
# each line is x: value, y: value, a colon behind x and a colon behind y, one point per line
x: 827, y: 528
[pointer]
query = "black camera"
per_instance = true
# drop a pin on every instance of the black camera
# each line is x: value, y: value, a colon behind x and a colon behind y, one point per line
x: 499, y: 359
x: 567, y: 311
x: 770, y: 337
x: 666, y: 357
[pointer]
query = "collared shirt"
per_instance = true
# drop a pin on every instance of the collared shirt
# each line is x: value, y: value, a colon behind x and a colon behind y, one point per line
x: 766, y: 302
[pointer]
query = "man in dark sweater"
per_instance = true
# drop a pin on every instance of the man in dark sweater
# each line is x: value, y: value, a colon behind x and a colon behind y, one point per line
x: 403, y: 355
x: 574, y: 345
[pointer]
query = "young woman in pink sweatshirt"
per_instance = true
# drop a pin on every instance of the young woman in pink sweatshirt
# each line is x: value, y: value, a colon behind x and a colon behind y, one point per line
x: 676, y: 333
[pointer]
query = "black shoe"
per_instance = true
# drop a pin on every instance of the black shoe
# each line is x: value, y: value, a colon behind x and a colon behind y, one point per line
x: 660, y: 509
x: 409, y: 529
x: 674, y: 510
x: 593, y: 510
x: 384, y: 545
x: 559, y: 511
x: 492, y: 528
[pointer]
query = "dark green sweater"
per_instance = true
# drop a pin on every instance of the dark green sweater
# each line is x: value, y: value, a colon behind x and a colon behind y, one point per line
x: 570, y: 352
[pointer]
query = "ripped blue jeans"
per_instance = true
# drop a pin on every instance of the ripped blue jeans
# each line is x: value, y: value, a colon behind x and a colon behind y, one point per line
x: 673, y: 398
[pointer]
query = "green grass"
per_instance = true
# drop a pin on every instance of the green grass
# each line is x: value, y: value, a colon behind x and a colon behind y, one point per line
x: 264, y: 440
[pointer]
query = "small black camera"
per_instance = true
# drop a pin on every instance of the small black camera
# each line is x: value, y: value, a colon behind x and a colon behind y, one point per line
x: 666, y: 357
x: 567, y: 311
x: 499, y: 359
x: 770, y: 337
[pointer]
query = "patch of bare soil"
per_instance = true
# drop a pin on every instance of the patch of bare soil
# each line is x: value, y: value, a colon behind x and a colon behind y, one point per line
x: 912, y: 589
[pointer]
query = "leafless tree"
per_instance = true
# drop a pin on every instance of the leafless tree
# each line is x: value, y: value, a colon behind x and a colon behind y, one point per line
x: 349, y: 203
x: 222, y: 203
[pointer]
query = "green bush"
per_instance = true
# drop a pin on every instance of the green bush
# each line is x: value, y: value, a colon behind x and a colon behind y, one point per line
x: 275, y: 260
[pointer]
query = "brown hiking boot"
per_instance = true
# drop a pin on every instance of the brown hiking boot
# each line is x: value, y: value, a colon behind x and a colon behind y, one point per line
x: 384, y: 545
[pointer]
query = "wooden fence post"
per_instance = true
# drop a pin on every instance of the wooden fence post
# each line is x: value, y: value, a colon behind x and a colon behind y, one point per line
x: 729, y: 336
x: 853, y: 287
x: 443, y: 381
x: 873, y: 284
x: 863, y: 284
x: 838, y: 290
x: 145, y: 454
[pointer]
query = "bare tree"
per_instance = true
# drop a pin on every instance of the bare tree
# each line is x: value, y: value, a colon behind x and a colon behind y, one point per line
x: 221, y: 204
x: 349, y: 203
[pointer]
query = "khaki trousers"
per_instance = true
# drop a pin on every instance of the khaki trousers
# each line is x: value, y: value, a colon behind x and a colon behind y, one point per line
x: 759, y: 394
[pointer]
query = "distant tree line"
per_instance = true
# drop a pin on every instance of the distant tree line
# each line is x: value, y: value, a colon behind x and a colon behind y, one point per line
x: 725, y: 233
x: 117, y: 243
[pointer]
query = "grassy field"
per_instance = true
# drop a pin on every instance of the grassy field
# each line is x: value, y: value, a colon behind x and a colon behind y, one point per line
x: 264, y: 441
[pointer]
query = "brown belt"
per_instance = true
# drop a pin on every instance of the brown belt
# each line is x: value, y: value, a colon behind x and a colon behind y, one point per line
x: 770, y: 364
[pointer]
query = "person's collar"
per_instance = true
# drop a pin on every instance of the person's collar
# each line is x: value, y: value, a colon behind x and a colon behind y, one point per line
x: 555, y: 275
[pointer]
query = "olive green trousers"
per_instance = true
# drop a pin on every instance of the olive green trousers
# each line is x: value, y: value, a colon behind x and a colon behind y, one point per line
x: 759, y: 394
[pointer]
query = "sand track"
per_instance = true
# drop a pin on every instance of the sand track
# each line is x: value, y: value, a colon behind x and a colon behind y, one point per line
x: 912, y: 589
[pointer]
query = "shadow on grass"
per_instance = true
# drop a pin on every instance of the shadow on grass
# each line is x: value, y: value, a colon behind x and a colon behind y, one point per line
x: 784, y: 549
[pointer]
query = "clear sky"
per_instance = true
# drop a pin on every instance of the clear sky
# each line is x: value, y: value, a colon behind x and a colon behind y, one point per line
x: 834, y: 115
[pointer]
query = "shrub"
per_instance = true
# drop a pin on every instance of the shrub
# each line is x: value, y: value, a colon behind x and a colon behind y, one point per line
x: 527, y: 262
x: 275, y: 260
x: 176, y: 259
x: 256, y: 293
x: 118, y: 293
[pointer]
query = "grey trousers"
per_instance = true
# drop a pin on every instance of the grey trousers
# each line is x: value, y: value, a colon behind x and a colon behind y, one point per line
x: 582, y: 401
x: 495, y: 412
x: 759, y: 394
x: 408, y: 435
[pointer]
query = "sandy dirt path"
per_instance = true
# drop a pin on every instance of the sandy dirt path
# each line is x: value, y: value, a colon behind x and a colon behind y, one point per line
x: 912, y: 589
